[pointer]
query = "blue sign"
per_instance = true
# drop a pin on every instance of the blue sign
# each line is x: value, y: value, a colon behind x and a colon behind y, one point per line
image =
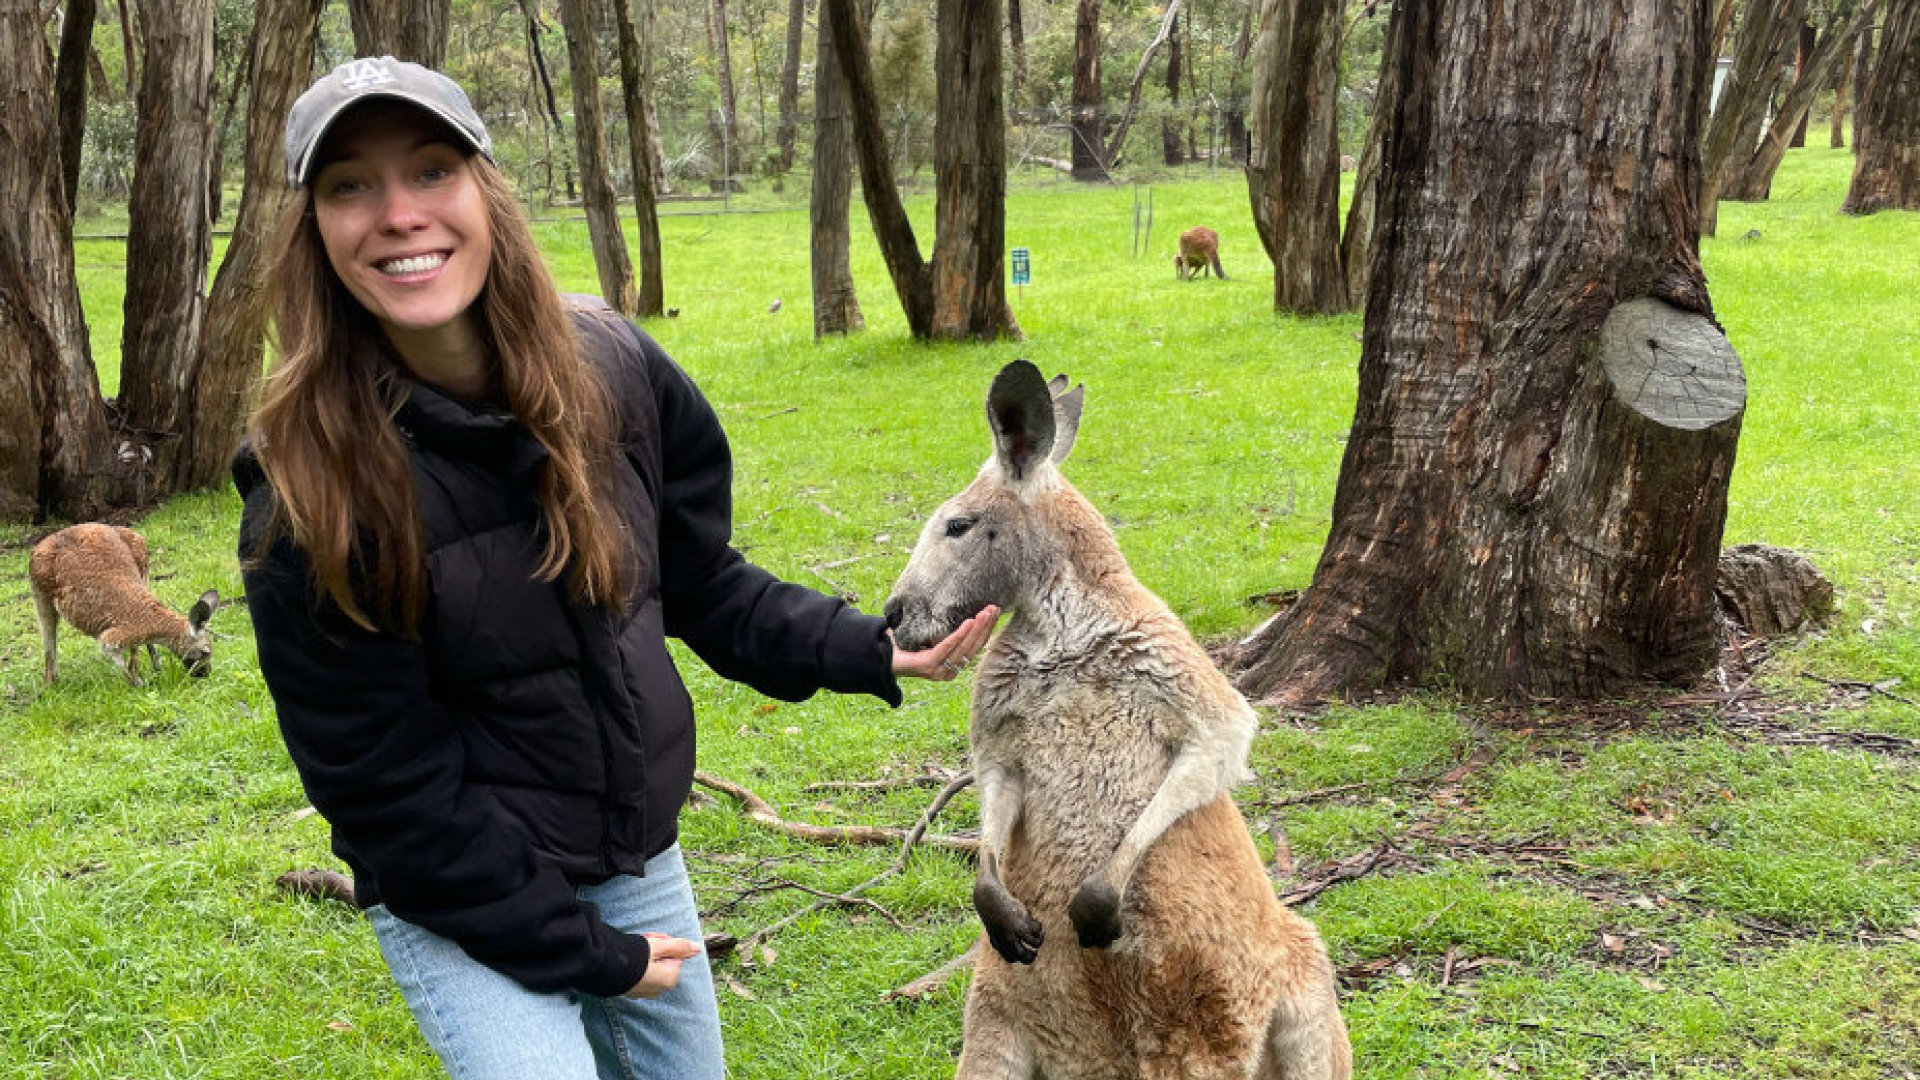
x: 1022, y: 267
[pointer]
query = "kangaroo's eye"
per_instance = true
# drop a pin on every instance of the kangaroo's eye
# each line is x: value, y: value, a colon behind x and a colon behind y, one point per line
x: 958, y: 527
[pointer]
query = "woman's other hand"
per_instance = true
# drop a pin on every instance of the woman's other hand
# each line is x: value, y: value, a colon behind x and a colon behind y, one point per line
x: 948, y: 657
x: 667, y: 953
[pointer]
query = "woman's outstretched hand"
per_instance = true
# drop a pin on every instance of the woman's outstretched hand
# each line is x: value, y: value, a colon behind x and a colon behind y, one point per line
x: 663, y: 966
x: 950, y: 656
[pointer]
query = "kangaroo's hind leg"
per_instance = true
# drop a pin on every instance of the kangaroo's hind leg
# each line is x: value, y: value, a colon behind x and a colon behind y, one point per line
x: 1306, y: 1038
x: 993, y: 1049
x: 49, y: 633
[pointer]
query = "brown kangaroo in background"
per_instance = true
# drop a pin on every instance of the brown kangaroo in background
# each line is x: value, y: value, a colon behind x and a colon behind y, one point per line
x: 1199, y: 249
x: 1134, y: 931
x: 96, y: 576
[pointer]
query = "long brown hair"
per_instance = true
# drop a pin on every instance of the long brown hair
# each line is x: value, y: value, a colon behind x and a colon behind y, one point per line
x: 324, y: 431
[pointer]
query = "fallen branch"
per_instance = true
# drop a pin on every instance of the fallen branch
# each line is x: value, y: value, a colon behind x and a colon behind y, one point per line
x: 935, y: 979
x: 1343, y: 871
x: 931, y: 779
x: 1851, y: 684
x: 763, y: 813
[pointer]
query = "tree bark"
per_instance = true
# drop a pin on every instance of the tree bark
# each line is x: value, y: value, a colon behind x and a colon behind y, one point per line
x: 70, y: 90
x: 1886, y: 121
x: 1356, y: 243
x: 1802, y: 61
x: 129, y: 49
x: 1760, y: 44
x: 1087, y: 98
x: 1172, y: 152
x: 1293, y: 172
x: 1167, y: 23
x: 636, y: 84
x: 836, y: 302
x: 723, y: 63
x: 1017, y: 41
x: 1239, y: 139
x: 590, y: 142
x: 285, y: 35
x: 1842, y: 87
x: 790, y: 81
x: 413, y: 30
x: 55, y: 454
x: 545, y: 82
x: 912, y: 281
x: 169, y: 237
x: 1535, y: 484
x: 1754, y: 177
x: 970, y: 163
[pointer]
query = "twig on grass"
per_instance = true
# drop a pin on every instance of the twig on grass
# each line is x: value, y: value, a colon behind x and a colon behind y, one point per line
x: 929, y: 779
x: 763, y: 813
x: 1342, y: 871
x: 935, y: 979
x: 1854, y: 684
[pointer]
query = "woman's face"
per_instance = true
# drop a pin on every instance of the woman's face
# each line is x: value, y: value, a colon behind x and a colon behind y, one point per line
x: 404, y: 224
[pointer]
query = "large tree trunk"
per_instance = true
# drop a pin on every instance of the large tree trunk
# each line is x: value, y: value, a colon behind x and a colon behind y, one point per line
x: 1167, y: 23
x: 1886, y: 119
x: 284, y: 37
x: 413, y: 30
x: 55, y: 454
x: 1760, y: 49
x: 1356, y: 243
x: 169, y: 237
x: 70, y: 90
x: 636, y: 84
x: 1171, y: 149
x: 836, y: 303
x: 590, y: 141
x: 911, y: 276
x: 1535, y: 483
x: 1293, y: 172
x: 970, y: 160
x: 1087, y: 98
x: 790, y: 81
x: 1753, y: 178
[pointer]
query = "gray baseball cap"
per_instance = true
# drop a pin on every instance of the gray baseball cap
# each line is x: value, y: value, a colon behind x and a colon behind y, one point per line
x: 366, y: 79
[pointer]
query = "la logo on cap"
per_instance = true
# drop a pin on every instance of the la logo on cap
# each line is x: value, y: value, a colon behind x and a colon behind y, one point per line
x: 362, y: 74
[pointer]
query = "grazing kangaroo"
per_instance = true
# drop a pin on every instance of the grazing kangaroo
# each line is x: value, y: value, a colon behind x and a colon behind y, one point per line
x: 1199, y: 249
x: 96, y: 576
x: 1135, y: 933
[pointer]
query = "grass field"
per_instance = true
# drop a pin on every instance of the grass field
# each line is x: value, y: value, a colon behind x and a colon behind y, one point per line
x: 1643, y: 889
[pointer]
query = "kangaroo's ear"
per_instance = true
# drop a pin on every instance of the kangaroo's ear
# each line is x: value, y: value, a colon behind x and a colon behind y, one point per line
x: 202, y: 610
x: 1066, y: 418
x: 1020, y: 410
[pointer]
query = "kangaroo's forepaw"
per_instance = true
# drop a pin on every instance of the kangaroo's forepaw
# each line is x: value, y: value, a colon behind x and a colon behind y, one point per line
x: 1014, y: 933
x: 1095, y: 912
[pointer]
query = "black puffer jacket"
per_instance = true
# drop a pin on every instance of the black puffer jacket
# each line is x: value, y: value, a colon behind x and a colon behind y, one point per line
x: 526, y: 745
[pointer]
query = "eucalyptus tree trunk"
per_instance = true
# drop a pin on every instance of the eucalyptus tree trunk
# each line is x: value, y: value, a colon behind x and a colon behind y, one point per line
x: 1017, y: 41
x: 729, y: 128
x: 1293, y: 170
x: 70, y: 90
x: 1761, y: 46
x: 636, y: 85
x: 1087, y: 98
x: 1752, y: 179
x: 413, y: 30
x: 1886, y: 119
x: 970, y: 161
x: 590, y: 141
x: 1168, y: 21
x: 285, y: 35
x: 1356, y: 243
x: 1171, y: 150
x: 169, y: 238
x: 836, y: 302
x: 1535, y: 484
x: 55, y: 451
x: 790, y: 81
x: 1842, y: 88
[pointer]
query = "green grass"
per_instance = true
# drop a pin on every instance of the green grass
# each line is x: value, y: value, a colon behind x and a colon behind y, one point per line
x: 1767, y: 895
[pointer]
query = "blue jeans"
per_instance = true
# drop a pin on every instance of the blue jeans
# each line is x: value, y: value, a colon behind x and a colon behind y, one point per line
x: 485, y: 1026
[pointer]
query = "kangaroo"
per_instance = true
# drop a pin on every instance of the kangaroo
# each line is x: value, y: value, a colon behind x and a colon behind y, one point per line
x: 1134, y: 931
x: 1199, y: 249
x: 96, y: 576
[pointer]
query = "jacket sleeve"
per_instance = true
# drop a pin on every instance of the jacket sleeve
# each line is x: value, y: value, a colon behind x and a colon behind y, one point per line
x: 381, y: 762
x: 784, y: 640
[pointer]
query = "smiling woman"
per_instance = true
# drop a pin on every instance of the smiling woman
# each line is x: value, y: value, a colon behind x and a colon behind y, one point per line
x: 475, y: 511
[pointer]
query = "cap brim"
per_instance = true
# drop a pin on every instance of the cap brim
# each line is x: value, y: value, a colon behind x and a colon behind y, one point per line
x: 301, y: 172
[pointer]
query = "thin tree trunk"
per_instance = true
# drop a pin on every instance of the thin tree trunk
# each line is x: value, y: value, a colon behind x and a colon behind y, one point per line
x: 1132, y: 109
x: 1535, y: 484
x: 1754, y: 178
x: 1886, y: 118
x: 1357, y: 242
x: 912, y: 279
x: 723, y: 61
x: 280, y: 61
x: 169, y: 237
x: 836, y: 302
x: 790, y: 81
x: 216, y: 170
x: 636, y: 84
x: 1171, y: 151
x: 1759, y: 48
x: 54, y: 440
x: 1239, y: 138
x: 1017, y: 41
x: 1087, y: 98
x: 1802, y: 65
x: 1293, y: 174
x: 413, y: 30
x: 546, y: 88
x: 129, y: 49
x: 970, y: 162
x: 590, y: 141
x: 1842, y: 86
x: 70, y: 90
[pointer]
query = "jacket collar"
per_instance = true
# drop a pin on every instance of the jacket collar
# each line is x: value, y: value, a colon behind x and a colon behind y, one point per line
x: 431, y: 419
